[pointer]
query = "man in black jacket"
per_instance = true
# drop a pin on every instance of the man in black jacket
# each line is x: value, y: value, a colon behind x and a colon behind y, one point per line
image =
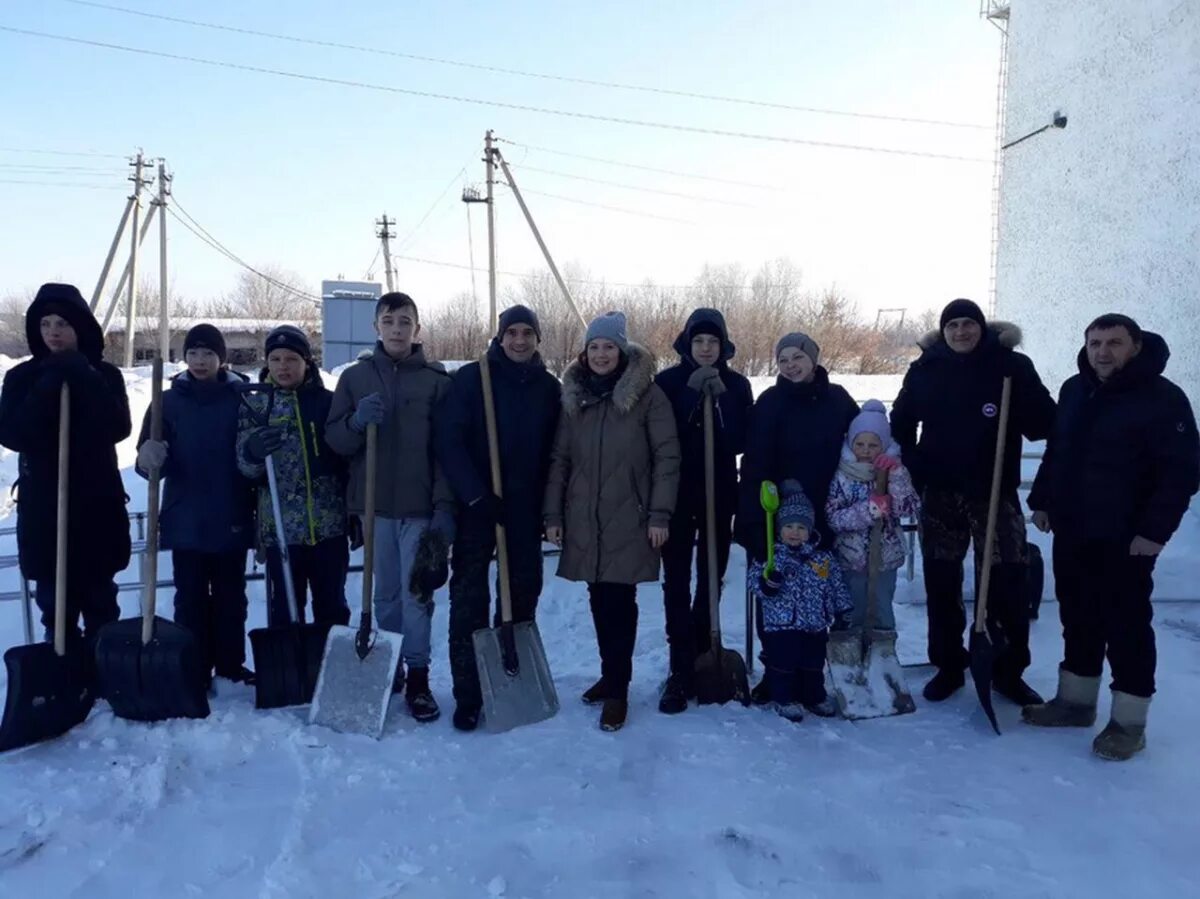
x: 953, y: 392
x: 704, y: 350
x: 527, y: 400
x: 1120, y: 469
x: 67, y: 347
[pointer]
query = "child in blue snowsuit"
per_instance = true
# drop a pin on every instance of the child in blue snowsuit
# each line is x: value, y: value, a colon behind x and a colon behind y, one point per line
x: 801, y: 598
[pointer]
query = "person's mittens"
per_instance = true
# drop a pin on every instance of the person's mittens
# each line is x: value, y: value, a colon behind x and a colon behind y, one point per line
x: 771, y: 584
x: 152, y: 455
x: 371, y: 410
x: 706, y: 380
x: 262, y: 442
x: 431, y: 565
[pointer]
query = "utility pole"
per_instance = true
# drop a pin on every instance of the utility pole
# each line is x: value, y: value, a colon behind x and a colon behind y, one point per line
x: 112, y: 254
x: 489, y: 157
x: 164, y: 324
x: 385, y: 233
x: 131, y: 310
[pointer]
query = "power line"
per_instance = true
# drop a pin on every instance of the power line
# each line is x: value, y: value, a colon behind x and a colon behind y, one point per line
x: 417, y: 227
x: 499, y: 104
x: 621, y: 209
x: 644, y: 168
x: 62, y: 184
x: 62, y: 152
x: 58, y: 169
x: 637, y: 187
x: 694, y: 95
x: 371, y: 265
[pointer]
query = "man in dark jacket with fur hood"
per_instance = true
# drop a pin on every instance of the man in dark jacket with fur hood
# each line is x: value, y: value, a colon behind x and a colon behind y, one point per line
x: 67, y: 347
x: 1119, y: 472
x: 704, y: 350
x: 527, y: 403
x: 953, y: 392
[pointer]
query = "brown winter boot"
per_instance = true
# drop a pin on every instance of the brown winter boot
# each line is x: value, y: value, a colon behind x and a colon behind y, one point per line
x: 1125, y: 735
x: 421, y: 704
x: 612, y: 716
x: 1073, y: 706
x: 596, y: 693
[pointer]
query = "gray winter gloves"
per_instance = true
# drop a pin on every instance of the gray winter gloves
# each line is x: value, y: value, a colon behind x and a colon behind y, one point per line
x: 707, y: 380
x: 371, y: 411
x: 263, y: 442
x: 151, y: 455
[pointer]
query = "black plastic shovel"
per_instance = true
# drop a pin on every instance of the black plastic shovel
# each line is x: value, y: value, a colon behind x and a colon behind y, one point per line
x: 50, y: 690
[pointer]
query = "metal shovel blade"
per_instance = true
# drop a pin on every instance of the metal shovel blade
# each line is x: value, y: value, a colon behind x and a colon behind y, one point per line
x: 48, y: 694
x: 524, y: 697
x: 353, y: 691
x: 983, y: 660
x: 162, y: 679
x: 287, y: 663
x: 721, y: 677
x: 875, y: 686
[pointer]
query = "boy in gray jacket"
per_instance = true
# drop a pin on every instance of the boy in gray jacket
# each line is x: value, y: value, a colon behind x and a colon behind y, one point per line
x: 397, y: 389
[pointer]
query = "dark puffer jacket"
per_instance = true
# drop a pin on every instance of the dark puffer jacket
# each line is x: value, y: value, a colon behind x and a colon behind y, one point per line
x: 207, y: 504
x: 797, y: 432
x: 731, y: 419
x: 528, y: 399
x: 955, y: 398
x: 97, y: 521
x: 1123, y: 460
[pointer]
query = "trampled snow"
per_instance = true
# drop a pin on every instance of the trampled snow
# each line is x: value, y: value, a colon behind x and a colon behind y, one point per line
x: 717, y: 802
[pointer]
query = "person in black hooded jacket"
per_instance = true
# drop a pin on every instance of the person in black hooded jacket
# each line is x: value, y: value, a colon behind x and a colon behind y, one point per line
x: 1119, y: 472
x: 704, y: 350
x: 527, y: 403
x: 67, y: 347
x: 953, y: 391
x: 207, y: 509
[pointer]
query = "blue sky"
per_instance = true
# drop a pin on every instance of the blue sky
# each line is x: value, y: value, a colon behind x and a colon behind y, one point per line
x: 294, y: 173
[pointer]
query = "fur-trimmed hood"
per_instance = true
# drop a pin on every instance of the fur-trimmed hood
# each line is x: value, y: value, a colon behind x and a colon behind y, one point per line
x: 1007, y: 334
x: 630, y: 387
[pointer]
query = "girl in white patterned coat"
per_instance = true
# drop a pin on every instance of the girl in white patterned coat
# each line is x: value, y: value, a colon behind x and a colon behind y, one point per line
x: 852, y: 508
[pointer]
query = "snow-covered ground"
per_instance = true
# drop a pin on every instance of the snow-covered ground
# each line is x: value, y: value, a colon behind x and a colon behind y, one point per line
x: 718, y: 802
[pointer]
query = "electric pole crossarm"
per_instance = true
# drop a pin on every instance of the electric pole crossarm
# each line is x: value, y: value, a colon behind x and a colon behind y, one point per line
x: 562, y: 285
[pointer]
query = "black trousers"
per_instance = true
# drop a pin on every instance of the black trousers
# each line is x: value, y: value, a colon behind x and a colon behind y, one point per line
x: 615, y: 615
x: 320, y: 570
x: 1104, y: 603
x: 90, y: 595
x: 949, y: 523
x: 688, y: 622
x: 470, y: 592
x: 210, y: 601
x: 795, y: 663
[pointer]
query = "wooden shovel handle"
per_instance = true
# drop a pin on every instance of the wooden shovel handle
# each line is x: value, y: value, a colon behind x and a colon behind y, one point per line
x: 989, y: 538
x: 710, y: 526
x: 489, y: 420
x: 60, y: 536
x: 368, y: 519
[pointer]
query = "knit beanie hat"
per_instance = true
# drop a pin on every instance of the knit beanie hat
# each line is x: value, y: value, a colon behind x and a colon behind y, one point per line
x: 802, y: 342
x: 518, y: 315
x: 289, y: 337
x: 794, y: 506
x: 609, y: 326
x: 205, y: 337
x: 962, y: 309
x: 872, y: 419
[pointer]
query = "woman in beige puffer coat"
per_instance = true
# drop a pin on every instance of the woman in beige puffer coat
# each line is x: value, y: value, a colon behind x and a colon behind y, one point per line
x: 614, y: 475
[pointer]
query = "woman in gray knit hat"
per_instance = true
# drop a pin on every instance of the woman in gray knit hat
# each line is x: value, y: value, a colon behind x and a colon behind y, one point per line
x: 614, y: 474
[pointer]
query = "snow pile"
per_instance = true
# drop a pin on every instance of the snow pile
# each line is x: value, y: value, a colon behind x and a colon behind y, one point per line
x: 717, y: 802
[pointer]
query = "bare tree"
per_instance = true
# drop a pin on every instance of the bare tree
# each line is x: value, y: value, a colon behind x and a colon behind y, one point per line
x: 278, y: 294
x: 456, y: 331
x: 12, y: 322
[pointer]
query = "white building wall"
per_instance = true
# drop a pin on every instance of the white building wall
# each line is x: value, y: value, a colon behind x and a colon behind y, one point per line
x: 1103, y: 215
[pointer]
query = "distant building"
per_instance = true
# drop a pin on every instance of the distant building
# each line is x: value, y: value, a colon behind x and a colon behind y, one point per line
x: 348, y: 319
x: 1102, y: 215
x: 244, y: 339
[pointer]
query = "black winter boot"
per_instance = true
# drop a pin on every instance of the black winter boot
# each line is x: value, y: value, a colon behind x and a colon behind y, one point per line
x: 674, y: 697
x: 944, y: 684
x: 761, y: 694
x: 596, y: 693
x: 239, y: 675
x: 420, y: 700
x: 466, y: 717
x: 1017, y: 691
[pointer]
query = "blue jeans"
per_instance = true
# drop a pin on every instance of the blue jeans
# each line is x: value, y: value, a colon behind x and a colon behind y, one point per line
x: 398, y: 609
x: 885, y: 618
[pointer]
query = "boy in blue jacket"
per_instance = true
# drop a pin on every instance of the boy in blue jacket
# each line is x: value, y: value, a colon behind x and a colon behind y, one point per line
x: 801, y: 598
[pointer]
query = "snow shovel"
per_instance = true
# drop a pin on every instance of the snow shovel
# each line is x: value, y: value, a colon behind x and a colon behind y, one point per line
x: 768, y: 498
x: 867, y: 679
x: 514, y: 675
x: 287, y: 657
x: 150, y: 669
x: 983, y: 652
x: 49, y: 689
x: 720, y: 673
x: 355, y: 685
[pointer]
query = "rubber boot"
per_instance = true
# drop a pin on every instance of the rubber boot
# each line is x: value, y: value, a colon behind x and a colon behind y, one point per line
x: 1125, y: 734
x: 1073, y: 706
